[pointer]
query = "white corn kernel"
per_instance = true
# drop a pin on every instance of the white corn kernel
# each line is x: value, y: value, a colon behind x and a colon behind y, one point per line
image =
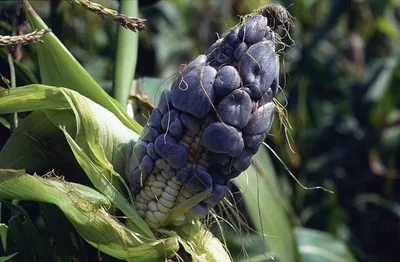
x: 186, y: 193
x: 162, y: 208
x: 144, y: 195
x: 150, y: 217
x: 160, y: 216
x: 149, y: 193
x: 141, y: 213
x: 166, y: 203
x: 161, y: 164
x: 173, y: 185
x: 158, y: 184
x: 160, y: 178
x: 168, y: 197
x: 176, y: 182
x: 152, y: 206
x: 171, y: 191
x: 141, y: 206
x: 157, y: 191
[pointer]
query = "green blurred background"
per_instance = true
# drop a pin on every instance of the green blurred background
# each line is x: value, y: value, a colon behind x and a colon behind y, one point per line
x: 340, y: 76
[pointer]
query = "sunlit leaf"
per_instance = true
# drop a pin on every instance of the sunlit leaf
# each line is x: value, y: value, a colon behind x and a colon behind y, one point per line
x: 317, y: 246
x: 265, y: 206
x: 31, y: 98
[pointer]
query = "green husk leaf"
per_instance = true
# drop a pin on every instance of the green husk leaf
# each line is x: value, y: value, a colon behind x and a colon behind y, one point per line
x: 101, y: 135
x: 200, y: 243
x: 264, y: 204
x: 96, y: 144
x: 126, y: 57
x: 59, y: 68
x: 102, y: 145
x: 31, y: 97
x: 315, y: 245
x: 106, y: 187
x: 186, y: 206
x: 86, y: 209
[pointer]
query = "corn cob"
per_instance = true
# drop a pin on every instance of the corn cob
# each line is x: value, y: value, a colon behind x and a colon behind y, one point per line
x: 208, y: 125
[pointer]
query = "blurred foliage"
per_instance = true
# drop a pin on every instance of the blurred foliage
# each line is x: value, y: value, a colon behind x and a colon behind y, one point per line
x: 339, y: 80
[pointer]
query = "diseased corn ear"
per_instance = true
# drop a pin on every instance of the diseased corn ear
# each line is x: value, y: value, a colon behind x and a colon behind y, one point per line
x: 207, y: 126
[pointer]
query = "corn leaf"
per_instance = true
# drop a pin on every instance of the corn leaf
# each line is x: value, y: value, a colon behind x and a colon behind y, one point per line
x: 253, y: 245
x: 145, y: 95
x: 261, y: 196
x: 126, y: 57
x: 7, y: 258
x: 86, y: 209
x: 59, y: 68
x: 33, y: 97
x: 315, y: 245
x: 152, y: 87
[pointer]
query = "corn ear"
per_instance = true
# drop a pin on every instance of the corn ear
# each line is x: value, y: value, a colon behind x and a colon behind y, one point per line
x: 207, y: 126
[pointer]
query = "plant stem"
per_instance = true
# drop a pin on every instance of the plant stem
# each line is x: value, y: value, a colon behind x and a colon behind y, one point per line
x: 14, y: 116
x: 126, y: 56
